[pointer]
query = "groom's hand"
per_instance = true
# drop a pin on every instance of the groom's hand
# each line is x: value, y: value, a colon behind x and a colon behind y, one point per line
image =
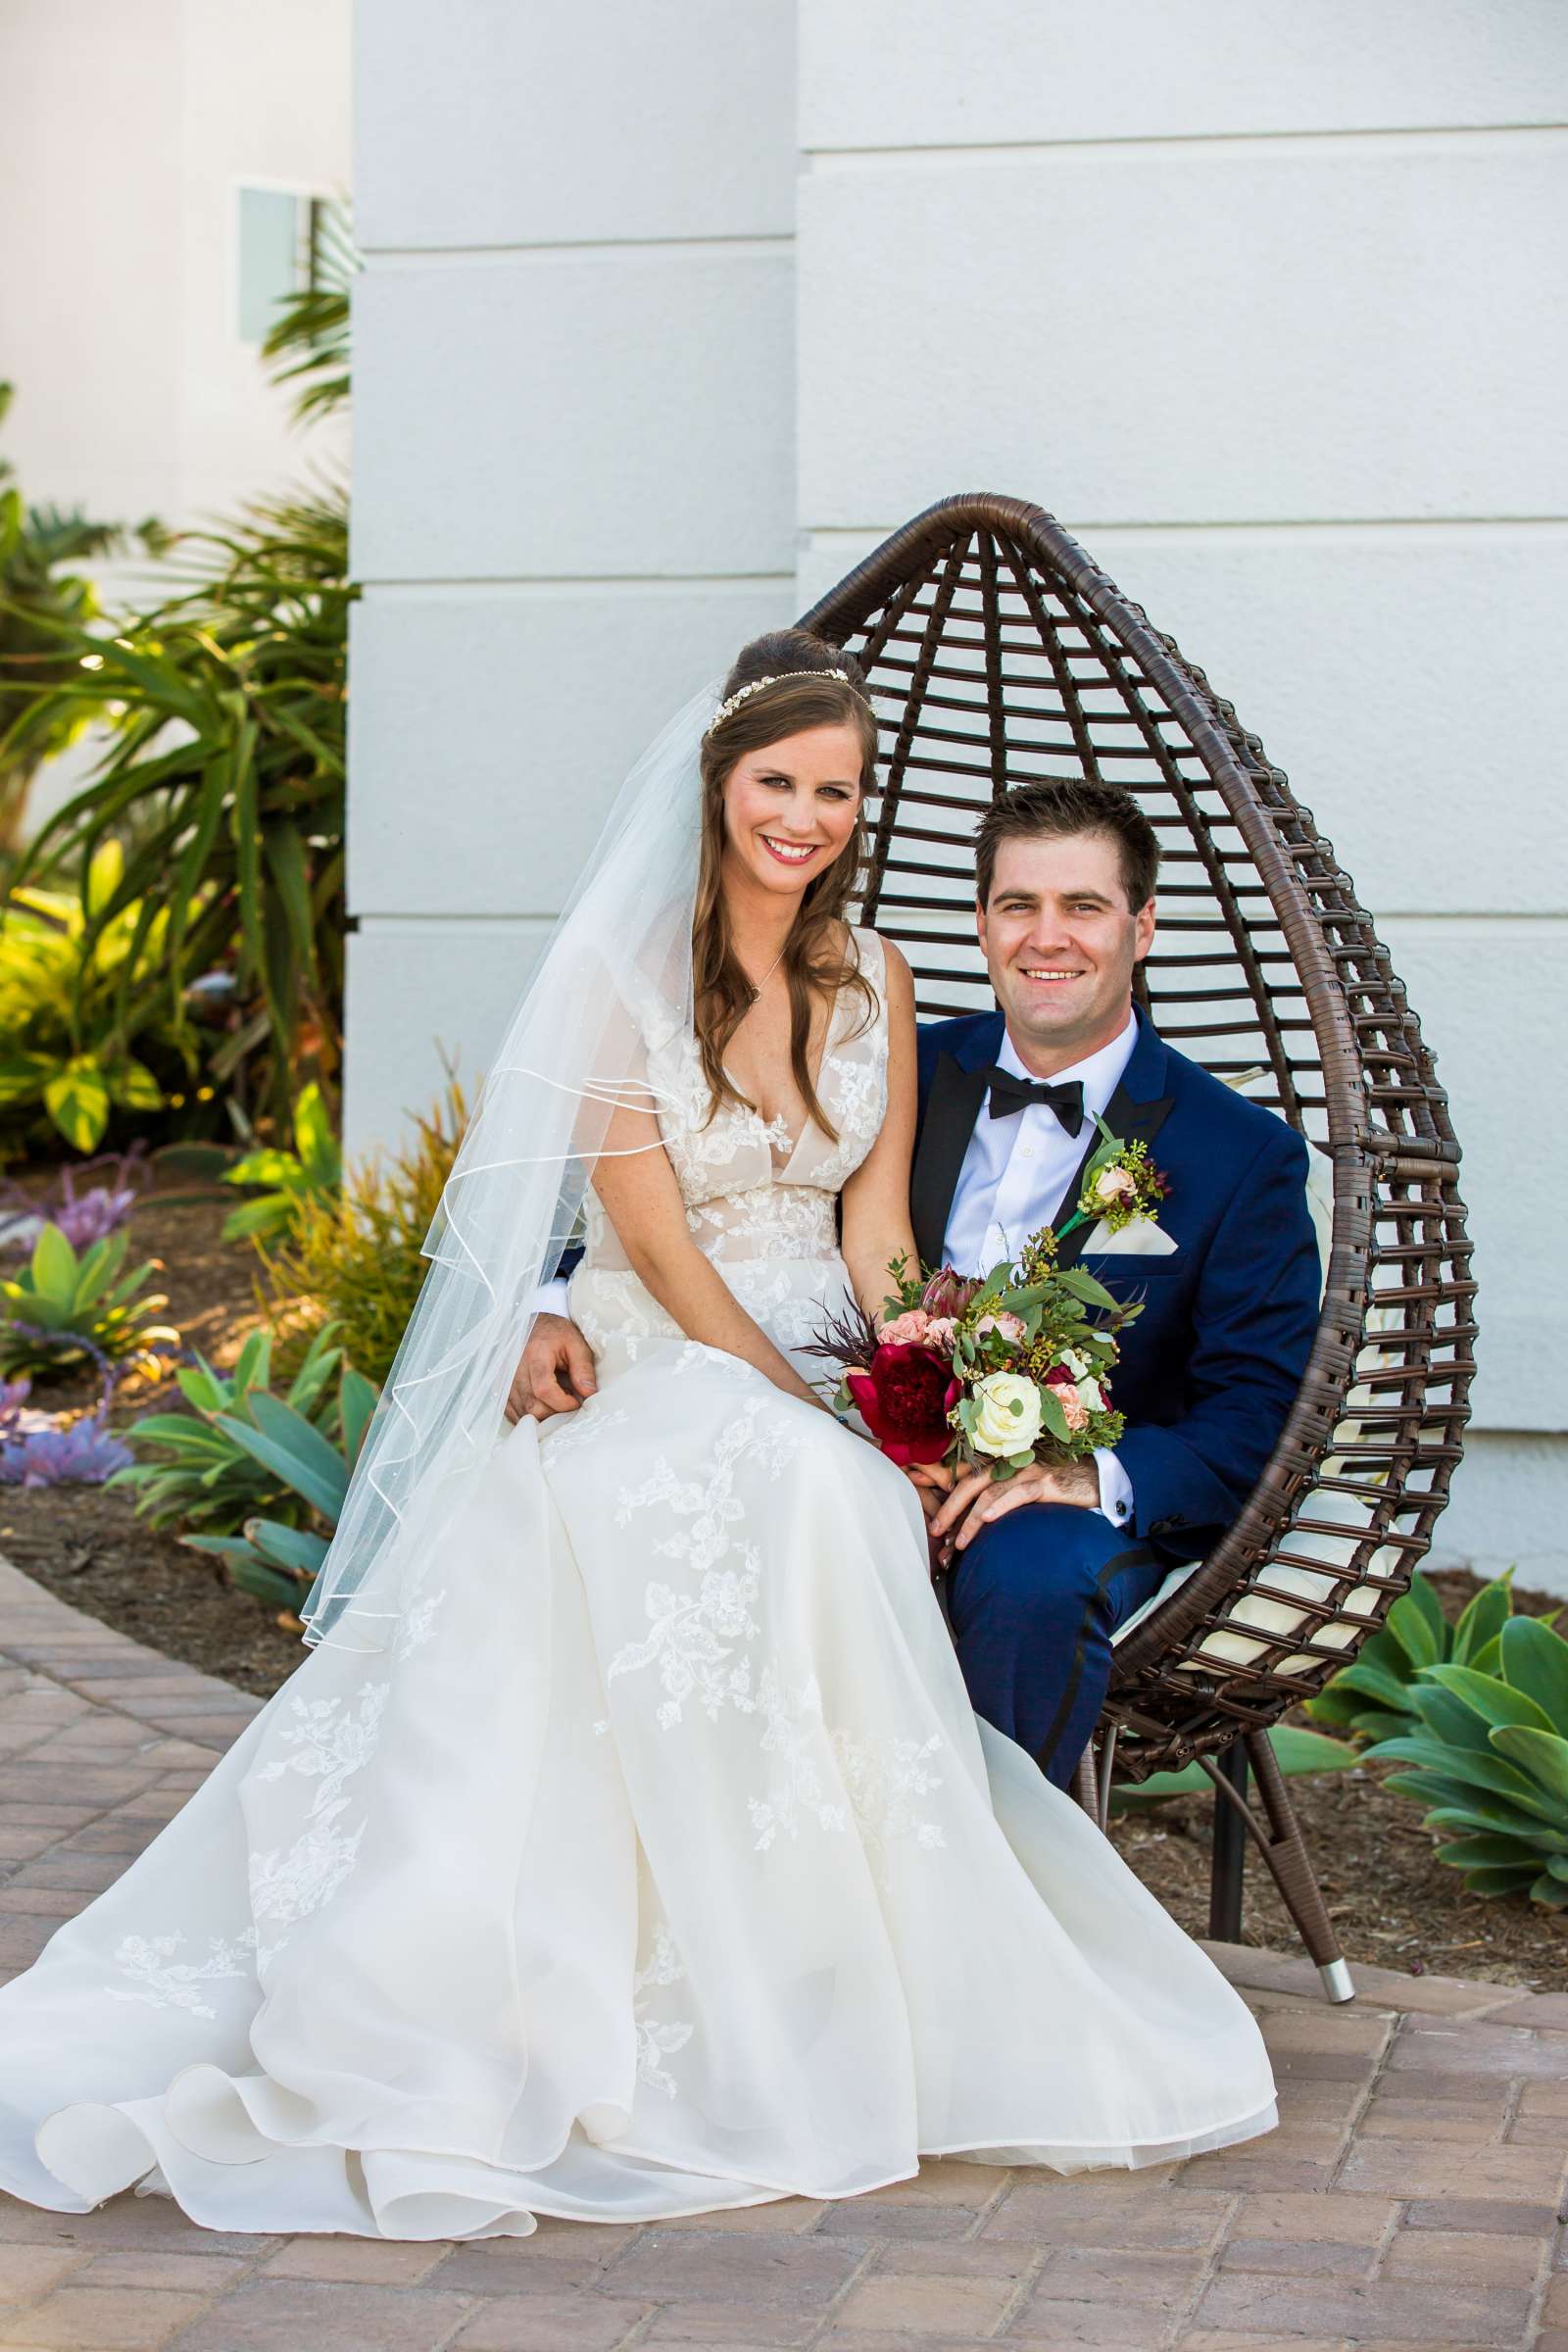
x: 555, y: 1372
x: 978, y: 1498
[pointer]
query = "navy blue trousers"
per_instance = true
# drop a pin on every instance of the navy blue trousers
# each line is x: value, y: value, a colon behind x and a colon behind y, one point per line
x: 1034, y: 1600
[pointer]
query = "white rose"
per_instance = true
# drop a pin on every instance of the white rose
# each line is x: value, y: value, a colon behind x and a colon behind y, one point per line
x: 1009, y: 1418
x: 1091, y: 1394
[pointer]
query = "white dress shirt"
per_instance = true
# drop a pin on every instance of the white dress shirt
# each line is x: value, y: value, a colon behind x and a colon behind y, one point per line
x: 1014, y: 1179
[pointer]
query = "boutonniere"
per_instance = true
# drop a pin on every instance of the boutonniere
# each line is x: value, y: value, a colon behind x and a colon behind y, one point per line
x: 1122, y: 1188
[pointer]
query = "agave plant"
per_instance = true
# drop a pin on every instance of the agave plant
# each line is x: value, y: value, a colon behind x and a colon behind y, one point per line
x: 1491, y: 1757
x: 277, y: 1559
x: 191, y: 1468
x: 61, y: 1309
x: 312, y: 1171
x: 1375, y: 1696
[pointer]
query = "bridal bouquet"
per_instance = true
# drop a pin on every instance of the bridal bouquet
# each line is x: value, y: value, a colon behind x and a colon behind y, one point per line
x: 994, y: 1373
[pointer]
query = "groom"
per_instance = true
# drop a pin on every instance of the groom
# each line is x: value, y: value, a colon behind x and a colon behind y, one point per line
x: 1045, y: 1566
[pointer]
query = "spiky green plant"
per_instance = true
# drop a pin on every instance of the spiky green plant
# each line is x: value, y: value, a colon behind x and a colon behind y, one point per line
x: 223, y: 706
x: 277, y: 1559
x: 39, y: 548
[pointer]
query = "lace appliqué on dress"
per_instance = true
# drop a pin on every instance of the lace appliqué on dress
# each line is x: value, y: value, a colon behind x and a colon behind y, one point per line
x: 655, y: 2039
x: 165, y: 1982
x: 693, y: 1635
x: 289, y: 1882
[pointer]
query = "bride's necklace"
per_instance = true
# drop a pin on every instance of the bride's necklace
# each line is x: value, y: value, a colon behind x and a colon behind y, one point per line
x: 756, y: 986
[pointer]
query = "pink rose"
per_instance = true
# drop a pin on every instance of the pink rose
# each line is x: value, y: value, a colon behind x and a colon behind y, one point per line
x: 909, y: 1330
x: 1064, y: 1389
x: 940, y: 1334
x: 1114, y: 1184
x: 1007, y: 1325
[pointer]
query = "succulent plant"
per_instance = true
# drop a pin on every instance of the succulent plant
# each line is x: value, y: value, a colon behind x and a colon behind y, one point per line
x: 1489, y: 1750
x: 65, y: 1453
x: 62, y: 1309
x: 270, y: 1557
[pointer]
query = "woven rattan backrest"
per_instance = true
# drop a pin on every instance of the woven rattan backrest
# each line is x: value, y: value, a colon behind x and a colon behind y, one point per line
x: 996, y: 654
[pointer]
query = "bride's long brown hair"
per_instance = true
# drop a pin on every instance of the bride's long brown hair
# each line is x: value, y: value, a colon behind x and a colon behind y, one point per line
x: 813, y: 961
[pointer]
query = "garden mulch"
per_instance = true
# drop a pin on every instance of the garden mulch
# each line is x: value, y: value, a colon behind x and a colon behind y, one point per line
x: 1393, y: 1904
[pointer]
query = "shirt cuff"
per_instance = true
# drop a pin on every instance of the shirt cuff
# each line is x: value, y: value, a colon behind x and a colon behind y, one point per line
x: 1115, y: 1489
x: 551, y: 1299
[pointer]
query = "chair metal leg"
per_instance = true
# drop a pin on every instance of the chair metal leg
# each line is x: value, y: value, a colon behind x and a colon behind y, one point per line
x: 1287, y: 1856
x: 1230, y: 1851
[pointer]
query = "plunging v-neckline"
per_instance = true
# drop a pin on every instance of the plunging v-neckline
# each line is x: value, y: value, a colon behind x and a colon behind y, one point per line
x: 765, y: 1126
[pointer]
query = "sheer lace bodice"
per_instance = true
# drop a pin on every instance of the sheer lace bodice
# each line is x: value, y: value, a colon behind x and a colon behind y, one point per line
x: 751, y: 1190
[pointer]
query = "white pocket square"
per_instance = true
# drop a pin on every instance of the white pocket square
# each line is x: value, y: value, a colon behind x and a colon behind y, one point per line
x: 1141, y: 1239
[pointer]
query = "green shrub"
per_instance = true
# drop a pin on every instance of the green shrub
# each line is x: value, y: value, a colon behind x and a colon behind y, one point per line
x: 61, y: 1309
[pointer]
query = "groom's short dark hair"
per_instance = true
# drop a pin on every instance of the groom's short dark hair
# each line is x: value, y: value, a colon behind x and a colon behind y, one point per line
x: 1060, y: 805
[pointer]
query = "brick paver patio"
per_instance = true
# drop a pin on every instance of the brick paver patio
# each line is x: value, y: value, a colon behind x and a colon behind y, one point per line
x: 1412, y: 2195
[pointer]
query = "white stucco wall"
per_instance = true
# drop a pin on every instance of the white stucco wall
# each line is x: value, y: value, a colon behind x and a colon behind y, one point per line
x: 664, y: 328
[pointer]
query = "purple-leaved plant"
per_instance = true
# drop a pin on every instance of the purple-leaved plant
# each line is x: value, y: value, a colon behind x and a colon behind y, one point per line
x: 82, y: 1217
x: 82, y: 1453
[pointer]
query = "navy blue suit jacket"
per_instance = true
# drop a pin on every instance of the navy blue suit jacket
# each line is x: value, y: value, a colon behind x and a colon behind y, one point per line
x: 1212, y: 1365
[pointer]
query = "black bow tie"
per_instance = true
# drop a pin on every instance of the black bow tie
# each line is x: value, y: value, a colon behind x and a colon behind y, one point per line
x: 1010, y: 1094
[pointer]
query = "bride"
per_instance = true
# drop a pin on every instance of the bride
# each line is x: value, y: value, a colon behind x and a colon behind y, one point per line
x: 625, y: 1846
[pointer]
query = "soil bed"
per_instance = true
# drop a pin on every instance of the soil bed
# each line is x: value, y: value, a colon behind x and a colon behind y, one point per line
x: 1392, y: 1903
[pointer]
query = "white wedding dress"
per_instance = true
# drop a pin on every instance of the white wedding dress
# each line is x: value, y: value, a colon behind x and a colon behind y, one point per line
x: 661, y: 1865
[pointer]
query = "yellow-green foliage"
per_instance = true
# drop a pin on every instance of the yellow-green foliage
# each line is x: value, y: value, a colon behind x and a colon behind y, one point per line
x: 65, y: 1030
x: 355, y: 1259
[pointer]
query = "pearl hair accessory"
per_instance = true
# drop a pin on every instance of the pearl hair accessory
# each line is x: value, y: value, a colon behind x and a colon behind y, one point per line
x: 736, y: 699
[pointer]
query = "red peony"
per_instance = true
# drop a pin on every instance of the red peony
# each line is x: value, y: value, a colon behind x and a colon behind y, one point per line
x: 905, y: 1401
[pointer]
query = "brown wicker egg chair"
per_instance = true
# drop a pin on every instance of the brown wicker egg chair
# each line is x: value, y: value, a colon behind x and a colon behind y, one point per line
x: 999, y: 654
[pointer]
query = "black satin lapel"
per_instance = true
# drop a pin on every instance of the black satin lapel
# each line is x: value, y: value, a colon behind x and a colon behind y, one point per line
x: 1131, y: 1123
x: 950, y: 1109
